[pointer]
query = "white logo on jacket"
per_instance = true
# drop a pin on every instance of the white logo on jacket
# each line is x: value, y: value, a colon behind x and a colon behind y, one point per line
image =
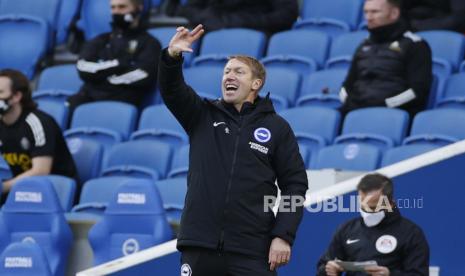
x: 386, y: 244
x: 262, y: 135
x: 186, y: 270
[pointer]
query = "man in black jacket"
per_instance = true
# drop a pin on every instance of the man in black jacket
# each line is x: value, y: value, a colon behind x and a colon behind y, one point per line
x: 120, y: 65
x: 392, y: 68
x: 397, y: 244
x: 239, y: 147
x: 269, y: 16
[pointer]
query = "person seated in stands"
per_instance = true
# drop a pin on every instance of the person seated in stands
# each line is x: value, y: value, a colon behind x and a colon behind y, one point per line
x: 31, y: 141
x: 435, y: 15
x: 392, y: 68
x: 381, y: 234
x: 120, y: 65
x: 269, y: 16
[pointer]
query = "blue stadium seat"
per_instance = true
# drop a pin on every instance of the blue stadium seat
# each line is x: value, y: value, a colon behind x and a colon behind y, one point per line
x: 380, y: 126
x: 5, y: 172
x: 87, y: 156
x: 283, y: 86
x: 140, y: 158
x: 53, y: 95
x: 69, y: 10
x: 134, y: 220
x: 23, y: 259
x: 65, y: 188
x: 453, y: 94
x: 343, y: 48
x: 352, y: 157
x: 158, y: 123
x: 291, y: 49
x: 33, y: 212
x: 180, y: 163
x: 218, y: 45
x: 448, y: 50
x: 46, y: 10
x: 401, y: 153
x: 316, y: 132
x: 58, y: 110
x: 95, y: 18
x: 173, y: 192
x: 306, y: 154
x: 164, y: 35
x: 60, y: 77
x: 331, y: 16
x: 439, y: 126
x: 205, y: 80
x: 97, y: 192
x: 105, y: 121
x: 23, y: 43
x: 322, y: 89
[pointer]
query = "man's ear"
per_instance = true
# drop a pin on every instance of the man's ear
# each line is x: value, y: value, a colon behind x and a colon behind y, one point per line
x: 395, y: 13
x: 17, y: 97
x: 257, y: 84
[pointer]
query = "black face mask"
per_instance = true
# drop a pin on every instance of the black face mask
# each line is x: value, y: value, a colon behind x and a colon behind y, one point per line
x: 4, y: 105
x: 123, y: 21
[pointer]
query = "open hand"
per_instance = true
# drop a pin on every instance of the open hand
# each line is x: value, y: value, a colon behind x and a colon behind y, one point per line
x: 183, y: 39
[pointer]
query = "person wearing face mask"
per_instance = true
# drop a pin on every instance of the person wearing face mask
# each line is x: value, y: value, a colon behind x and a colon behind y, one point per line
x: 239, y: 149
x: 381, y: 234
x: 120, y: 65
x: 392, y: 68
x: 31, y: 141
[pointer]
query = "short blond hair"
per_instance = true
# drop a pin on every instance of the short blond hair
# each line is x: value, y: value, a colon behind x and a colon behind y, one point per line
x: 257, y: 68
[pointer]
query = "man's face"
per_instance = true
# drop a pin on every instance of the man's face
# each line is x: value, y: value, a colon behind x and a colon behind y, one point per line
x: 122, y: 7
x: 369, y: 200
x: 238, y: 84
x: 380, y: 13
x: 5, y: 88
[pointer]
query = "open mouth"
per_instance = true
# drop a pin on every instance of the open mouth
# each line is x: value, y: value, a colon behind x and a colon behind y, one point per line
x: 231, y: 87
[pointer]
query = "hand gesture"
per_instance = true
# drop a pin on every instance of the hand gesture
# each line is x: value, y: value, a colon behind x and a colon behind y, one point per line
x: 280, y: 253
x: 183, y: 39
x: 333, y: 269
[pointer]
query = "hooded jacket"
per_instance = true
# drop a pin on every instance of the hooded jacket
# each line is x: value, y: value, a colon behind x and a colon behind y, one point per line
x: 235, y: 159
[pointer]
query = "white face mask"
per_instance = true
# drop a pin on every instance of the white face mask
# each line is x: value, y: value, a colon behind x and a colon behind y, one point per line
x: 372, y: 219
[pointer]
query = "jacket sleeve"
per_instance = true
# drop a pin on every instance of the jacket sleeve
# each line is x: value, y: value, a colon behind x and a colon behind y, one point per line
x: 133, y: 70
x: 180, y: 98
x: 293, y: 183
x: 335, y: 250
x: 415, y: 256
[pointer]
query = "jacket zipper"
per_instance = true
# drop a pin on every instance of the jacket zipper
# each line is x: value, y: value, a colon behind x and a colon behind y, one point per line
x: 236, y: 144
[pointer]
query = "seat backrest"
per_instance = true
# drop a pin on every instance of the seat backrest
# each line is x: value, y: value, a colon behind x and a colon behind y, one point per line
x: 180, y: 164
x: 134, y: 220
x: 324, y: 121
x: 444, y: 121
x: 345, y: 46
x: 298, y: 42
x: 282, y: 83
x: 353, y: 157
x: 154, y: 156
x: 347, y: 11
x: 454, y: 87
x: 206, y: 80
x: 69, y: 10
x: 116, y: 116
x: 5, y: 172
x: 173, y: 192
x: 387, y: 122
x: 33, y: 212
x: 446, y: 45
x: 400, y: 153
x: 47, y: 10
x: 231, y: 42
x: 65, y: 189
x: 87, y: 156
x: 95, y: 17
x: 326, y: 82
x: 63, y: 77
x: 23, y: 42
x: 58, y: 110
x: 23, y: 259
